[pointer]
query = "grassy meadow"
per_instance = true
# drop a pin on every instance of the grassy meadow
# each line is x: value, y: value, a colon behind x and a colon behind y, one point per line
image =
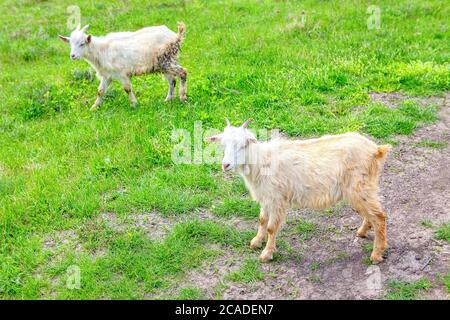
x: 63, y: 166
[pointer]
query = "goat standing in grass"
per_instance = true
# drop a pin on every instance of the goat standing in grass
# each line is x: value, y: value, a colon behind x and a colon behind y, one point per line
x: 316, y: 173
x: 122, y: 55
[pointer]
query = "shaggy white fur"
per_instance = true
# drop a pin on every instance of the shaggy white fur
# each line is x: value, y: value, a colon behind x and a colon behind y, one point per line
x: 315, y: 174
x: 122, y: 55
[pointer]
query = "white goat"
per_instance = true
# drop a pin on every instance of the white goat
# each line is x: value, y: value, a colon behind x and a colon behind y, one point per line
x: 317, y: 173
x: 124, y: 54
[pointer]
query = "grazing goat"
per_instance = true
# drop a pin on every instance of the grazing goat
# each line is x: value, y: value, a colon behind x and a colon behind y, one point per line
x: 316, y: 173
x: 124, y: 54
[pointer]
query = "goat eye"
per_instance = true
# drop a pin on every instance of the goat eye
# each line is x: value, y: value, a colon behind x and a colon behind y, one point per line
x: 81, y: 45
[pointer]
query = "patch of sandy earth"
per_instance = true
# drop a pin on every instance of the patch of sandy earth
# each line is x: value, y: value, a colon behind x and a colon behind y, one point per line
x: 208, y: 277
x: 153, y: 224
x: 57, y: 241
x: 392, y: 99
x: 414, y: 187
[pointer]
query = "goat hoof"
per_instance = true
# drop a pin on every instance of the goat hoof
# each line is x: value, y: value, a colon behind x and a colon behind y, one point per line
x: 376, y: 258
x: 93, y: 108
x: 183, y: 98
x: 255, y: 243
x: 266, y: 256
x: 168, y: 99
x: 362, y: 233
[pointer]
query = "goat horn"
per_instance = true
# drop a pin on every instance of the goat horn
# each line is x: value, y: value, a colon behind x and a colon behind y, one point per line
x: 246, y: 123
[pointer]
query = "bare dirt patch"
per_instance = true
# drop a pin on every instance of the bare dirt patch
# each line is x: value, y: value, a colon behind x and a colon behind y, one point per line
x: 392, y: 99
x: 333, y: 263
x: 208, y: 277
x: 58, y: 241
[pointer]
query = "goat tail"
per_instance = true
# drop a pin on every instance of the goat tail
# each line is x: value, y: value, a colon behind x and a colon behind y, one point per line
x: 382, y: 151
x: 175, y: 46
x: 376, y: 164
x: 181, y: 30
x: 168, y: 54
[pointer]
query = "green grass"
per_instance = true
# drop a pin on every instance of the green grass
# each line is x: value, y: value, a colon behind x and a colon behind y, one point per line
x: 368, y: 248
x: 315, y: 266
x: 426, y: 223
x: 443, y: 233
x: 315, y: 279
x: 306, y: 229
x: 427, y: 143
x: 62, y: 166
x: 400, y: 290
x: 250, y: 271
x: 190, y: 294
x: 366, y: 261
x: 403, y: 120
x: 446, y: 281
x: 244, y: 208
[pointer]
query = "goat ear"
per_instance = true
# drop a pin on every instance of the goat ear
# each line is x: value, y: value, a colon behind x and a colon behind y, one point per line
x: 215, y: 138
x: 65, y: 39
x: 246, y: 123
x: 85, y: 28
x: 89, y: 38
x: 228, y: 122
